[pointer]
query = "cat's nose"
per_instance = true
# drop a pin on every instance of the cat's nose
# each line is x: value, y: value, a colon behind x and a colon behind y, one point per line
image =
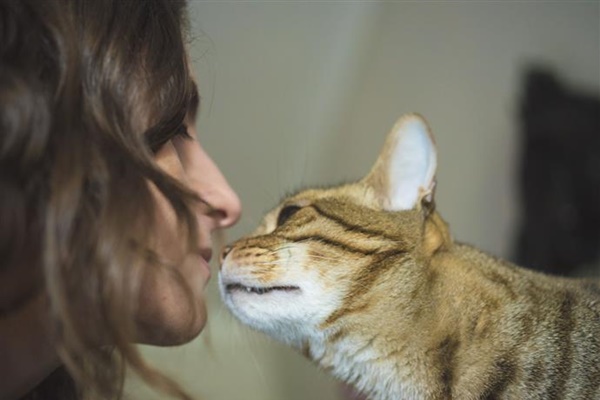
x: 226, y: 250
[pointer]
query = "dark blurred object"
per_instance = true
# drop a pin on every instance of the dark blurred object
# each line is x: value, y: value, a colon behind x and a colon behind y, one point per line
x: 59, y: 385
x: 559, y: 176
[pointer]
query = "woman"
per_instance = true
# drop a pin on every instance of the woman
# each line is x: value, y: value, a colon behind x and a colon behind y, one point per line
x: 107, y: 200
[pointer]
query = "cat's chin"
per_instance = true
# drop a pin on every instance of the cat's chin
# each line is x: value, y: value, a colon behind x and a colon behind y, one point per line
x: 239, y: 288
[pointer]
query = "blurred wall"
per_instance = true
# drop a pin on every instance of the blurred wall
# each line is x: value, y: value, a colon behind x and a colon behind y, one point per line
x: 302, y: 93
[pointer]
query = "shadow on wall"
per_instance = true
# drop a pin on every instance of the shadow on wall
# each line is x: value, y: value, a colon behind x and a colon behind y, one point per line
x: 559, y: 180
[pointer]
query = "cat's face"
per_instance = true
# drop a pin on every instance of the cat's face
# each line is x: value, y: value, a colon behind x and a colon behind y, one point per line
x: 309, y: 255
x: 313, y: 255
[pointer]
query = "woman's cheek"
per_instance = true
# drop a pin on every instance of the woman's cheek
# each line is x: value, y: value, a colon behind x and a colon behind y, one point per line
x: 166, y: 238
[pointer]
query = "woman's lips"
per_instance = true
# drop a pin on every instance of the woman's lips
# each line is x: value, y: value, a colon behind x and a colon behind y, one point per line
x: 206, y: 254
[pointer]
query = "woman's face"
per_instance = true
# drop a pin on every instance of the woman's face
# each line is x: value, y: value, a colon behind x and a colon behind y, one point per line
x: 166, y: 316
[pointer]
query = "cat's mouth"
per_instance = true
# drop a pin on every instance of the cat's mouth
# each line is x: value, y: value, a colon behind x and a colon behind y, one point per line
x: 234, y: 287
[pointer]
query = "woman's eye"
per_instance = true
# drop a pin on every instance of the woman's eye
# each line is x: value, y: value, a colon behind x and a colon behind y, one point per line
x: 286, y: 213
x: 156, y: 142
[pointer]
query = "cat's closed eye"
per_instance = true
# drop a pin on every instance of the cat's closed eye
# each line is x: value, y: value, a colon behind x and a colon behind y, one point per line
x: 286, y: 213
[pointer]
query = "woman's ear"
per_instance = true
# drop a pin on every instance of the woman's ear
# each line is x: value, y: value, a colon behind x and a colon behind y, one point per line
x: 404, y: 173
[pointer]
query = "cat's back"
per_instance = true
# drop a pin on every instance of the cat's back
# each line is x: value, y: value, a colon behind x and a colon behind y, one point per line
x: 542, y: 332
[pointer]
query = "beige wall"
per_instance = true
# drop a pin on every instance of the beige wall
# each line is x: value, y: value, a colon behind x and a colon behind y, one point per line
x: 297, y: 94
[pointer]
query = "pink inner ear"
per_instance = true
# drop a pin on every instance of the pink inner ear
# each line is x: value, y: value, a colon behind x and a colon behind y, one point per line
x: 411, y: 163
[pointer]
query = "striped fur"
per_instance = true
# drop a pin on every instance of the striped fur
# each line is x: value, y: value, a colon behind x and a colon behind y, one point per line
x: 387, y: 301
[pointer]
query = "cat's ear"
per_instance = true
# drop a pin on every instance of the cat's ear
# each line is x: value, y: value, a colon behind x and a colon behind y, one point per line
x: 404, y: 174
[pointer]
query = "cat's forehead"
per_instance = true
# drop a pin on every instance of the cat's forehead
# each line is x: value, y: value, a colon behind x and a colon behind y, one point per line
x: 357, y: 205
x: 355, y: 193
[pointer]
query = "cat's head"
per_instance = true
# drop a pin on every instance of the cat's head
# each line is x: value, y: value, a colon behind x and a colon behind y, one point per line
x: 316, y: 256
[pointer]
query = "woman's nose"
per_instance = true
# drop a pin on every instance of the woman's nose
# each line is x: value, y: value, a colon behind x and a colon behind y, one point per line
x: 225, y: 204
x: 205, y: 178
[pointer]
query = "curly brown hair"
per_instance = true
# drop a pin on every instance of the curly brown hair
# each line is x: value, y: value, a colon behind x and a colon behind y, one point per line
x: 87, y: 90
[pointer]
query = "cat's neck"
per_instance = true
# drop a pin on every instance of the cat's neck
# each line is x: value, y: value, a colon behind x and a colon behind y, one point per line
x: 393, y: 350
x: 381, y: 375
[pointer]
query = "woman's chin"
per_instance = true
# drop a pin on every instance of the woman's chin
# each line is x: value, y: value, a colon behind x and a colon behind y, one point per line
x: 173, y: 331
x: 171, y: 303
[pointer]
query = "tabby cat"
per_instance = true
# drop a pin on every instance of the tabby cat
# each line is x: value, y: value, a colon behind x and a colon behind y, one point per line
x: 366, y: 280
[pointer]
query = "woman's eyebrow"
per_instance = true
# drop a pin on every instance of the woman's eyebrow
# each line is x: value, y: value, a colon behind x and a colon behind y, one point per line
x: 194, y: 103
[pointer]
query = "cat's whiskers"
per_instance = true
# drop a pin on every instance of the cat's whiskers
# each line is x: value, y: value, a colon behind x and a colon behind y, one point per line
x: 314, y: 257
x: 270, y: 263
x: 276, y: 250
x: 282, y: 248
x: 259, y: 368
